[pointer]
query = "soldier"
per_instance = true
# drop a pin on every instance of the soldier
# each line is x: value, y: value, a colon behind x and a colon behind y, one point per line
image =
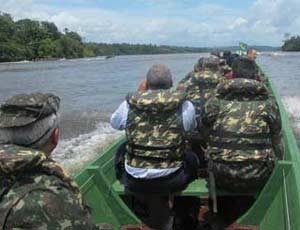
x: 200, y: 87
x: 246, y: 127
x: 35, y: 193
x: 224, y: 65
x: 202, y: 84
x: 157, y: 161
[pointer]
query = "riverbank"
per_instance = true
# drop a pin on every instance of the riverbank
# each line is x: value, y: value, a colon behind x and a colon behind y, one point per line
x: 34, y: 40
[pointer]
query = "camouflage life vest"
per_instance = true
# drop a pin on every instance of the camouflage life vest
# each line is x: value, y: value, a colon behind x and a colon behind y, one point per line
x: 155, y: 130
x: 201, y: 87
x: 240, y: 140
x: 24, y: 170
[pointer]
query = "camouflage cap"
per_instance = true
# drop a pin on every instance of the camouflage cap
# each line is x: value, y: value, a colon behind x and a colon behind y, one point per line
x: 24, y: 109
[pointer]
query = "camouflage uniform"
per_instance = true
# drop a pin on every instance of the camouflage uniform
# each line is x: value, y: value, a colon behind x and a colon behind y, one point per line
x: 201, y: 83
x: 201, y: 87
x: 35, y: 193
x: 243, y: 121
x: 154, y: 129
x: 225, y: 69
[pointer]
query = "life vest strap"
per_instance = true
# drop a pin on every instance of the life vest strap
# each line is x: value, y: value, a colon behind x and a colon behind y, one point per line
x: 228, y: 134
x: 131, y: 152
x: 235, y: 146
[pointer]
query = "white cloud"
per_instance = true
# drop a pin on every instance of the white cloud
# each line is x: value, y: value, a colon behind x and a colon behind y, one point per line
x: 201, y: 25
x: 237, y: 23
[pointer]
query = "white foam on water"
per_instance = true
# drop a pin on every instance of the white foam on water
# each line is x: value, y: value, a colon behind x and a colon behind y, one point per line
x: 278, y: 54
x: 73, y: 153
x: 292, y: 106
x: 94, y: 58
x: 16, y: 62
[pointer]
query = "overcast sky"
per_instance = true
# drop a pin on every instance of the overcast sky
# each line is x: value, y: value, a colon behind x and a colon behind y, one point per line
x: 169, y: 22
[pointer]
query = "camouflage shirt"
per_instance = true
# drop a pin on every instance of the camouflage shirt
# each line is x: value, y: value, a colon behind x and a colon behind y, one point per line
x: 36, y: 194
x: 154, y: 129
x: 242, y: 114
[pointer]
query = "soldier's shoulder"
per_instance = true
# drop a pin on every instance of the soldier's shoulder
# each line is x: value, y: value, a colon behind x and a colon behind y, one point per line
x: 54, y: 207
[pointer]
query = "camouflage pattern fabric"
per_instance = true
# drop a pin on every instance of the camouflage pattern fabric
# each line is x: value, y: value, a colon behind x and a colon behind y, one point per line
x: 235, y: 176
x: 201, y: 87
x: 35, y: 193
x: 154, y: 129
x: 243, y: 120
x: 225, y: 69
x: 24, y: 109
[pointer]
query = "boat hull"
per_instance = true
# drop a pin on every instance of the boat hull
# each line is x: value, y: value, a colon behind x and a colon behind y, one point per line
x: 276, y: 207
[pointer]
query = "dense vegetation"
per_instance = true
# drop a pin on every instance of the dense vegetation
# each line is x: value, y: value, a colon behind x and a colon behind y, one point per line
x: 34, y: 40
x: 291, y: 44
x: 30, y: 40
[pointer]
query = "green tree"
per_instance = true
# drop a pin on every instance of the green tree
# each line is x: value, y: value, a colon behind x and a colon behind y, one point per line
x: 74, y: 35
x: 11, y: 51
x: 29, y: 31
x: 292, y: 44
x: 7, y: 27
x: 68, y: 48
x: 46, y: 48
x: 51, y: 30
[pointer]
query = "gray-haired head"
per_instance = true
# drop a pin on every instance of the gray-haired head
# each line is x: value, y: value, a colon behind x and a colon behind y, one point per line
x: 159, y: 77
x: 29, y: 119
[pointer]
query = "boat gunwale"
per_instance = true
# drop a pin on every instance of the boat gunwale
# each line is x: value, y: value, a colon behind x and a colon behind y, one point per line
x: 291, y: 162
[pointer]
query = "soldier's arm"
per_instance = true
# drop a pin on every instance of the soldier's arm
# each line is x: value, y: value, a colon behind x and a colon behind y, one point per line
x: 41, y: 209
x: 118, y: 119
x: 188, y: 116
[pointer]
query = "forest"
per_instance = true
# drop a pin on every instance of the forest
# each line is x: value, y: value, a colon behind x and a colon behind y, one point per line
x: 291, y: 43
x: 28, y: 39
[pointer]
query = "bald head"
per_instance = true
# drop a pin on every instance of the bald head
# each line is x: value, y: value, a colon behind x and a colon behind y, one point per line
x: 159, y: 77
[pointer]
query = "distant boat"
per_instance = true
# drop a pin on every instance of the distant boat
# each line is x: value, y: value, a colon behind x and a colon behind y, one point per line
x: 110, y: 56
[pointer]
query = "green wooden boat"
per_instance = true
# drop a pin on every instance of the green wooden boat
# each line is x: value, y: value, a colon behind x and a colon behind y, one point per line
x: 276, y: 207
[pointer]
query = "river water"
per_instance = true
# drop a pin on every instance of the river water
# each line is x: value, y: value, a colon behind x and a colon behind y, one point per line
x: 91, y: 88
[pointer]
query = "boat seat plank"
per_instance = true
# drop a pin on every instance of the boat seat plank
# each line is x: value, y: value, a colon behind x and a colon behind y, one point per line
x: 196, y: 188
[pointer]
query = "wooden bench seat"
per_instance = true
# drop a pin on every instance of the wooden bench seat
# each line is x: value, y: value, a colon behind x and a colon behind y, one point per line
x: 196, y: 188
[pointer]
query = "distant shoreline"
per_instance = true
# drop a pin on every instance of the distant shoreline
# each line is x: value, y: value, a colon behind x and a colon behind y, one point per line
x: 47, y: 43
x: 133, y: 54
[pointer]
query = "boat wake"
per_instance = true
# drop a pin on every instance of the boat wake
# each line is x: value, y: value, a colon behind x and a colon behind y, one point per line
x: 73, y: 153
x: 292, y: 105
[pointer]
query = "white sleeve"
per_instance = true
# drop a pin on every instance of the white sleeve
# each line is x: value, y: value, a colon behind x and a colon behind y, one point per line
x: 118, y: 119
x: 188, y: 116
